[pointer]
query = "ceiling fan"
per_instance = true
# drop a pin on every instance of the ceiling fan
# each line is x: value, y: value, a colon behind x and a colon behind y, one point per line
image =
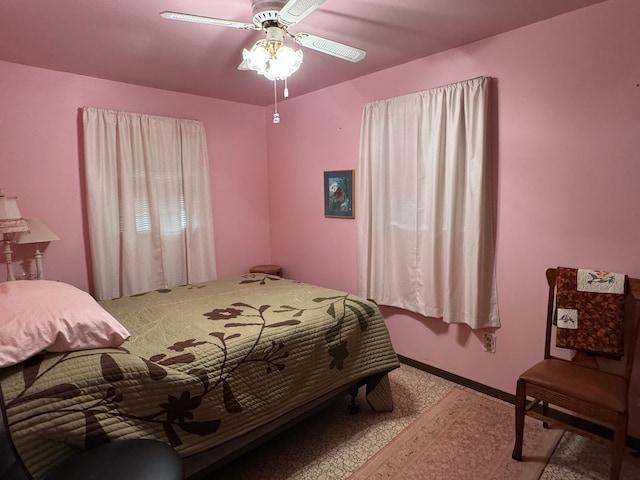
x: 275, y: 17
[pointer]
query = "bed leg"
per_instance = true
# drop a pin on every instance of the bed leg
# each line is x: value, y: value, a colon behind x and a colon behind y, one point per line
x: 353, y: 407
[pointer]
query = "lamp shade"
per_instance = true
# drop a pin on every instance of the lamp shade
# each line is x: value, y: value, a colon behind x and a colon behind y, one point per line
x: 11, y: 220
x: 39, y: 232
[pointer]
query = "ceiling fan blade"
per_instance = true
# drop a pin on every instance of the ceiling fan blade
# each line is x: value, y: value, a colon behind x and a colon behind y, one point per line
x: 185, y: 17
x: 329, y: 47
x: 296, y: 10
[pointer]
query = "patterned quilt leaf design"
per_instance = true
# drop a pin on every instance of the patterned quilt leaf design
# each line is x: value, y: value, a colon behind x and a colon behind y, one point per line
x: 223, y: 313
x: 181, y: 408
x: 30, y: 371
x: 202, y: 375
x: 336, y: 308
x: 178, y: 359
x: 285, y: 323
x: 260, y: 279
x: 230, y: 403
x: 110, y: 370
x: 272, y: 356
x: 201, y: 428
x: 64, y: 391
x: 172, y: 436
x: 362, y: 320
x: 155, y: 372
x: 182, y: 346
x: 95, y: 434
x: 339, y: 353
x: 179, y: 412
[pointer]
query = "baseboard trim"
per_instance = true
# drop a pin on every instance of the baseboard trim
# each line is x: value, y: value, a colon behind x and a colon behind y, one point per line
x: 594, y: 428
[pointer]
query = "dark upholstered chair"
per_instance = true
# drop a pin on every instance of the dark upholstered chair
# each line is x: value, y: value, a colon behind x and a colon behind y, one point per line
x: 122, y: 460
x: 580, y: 386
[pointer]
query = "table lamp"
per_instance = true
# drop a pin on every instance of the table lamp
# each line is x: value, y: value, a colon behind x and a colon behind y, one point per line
x: 11, y: 222
x: 38, y: 233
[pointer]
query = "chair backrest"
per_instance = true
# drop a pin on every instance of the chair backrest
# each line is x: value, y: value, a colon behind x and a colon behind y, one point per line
x: 631, y: 319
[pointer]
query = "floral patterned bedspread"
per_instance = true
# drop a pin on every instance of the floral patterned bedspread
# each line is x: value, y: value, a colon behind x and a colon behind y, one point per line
x: 205, y: 363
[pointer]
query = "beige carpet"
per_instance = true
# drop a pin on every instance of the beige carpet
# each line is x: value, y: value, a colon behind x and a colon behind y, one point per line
x: 463, y: 436
x: 333, y: 444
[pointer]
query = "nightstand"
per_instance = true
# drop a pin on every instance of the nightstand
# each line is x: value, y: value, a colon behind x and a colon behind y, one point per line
x: 268, y: 269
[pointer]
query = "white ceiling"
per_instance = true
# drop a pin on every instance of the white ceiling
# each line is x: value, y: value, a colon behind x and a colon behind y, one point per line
x: 128, y: 41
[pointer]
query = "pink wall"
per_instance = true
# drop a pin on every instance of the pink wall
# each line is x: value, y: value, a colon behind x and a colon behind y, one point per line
x: 568, y: 104
x: 41, y: 163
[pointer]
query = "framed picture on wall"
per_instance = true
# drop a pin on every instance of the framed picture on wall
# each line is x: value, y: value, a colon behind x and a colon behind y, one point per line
x: 338, y: 194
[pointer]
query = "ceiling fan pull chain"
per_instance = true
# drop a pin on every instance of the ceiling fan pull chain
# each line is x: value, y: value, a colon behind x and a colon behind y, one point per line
x: 286, y: 88
x: 276, y: 115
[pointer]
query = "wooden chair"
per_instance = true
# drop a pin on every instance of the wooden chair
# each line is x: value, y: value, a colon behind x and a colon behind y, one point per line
x: 580, y: 387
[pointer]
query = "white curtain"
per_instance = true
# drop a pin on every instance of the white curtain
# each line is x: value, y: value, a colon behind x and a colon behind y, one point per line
x: 425, y: 228
x: 149, y: 202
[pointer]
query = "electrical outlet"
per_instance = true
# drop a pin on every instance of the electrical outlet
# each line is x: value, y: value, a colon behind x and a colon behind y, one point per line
x: 489, y: 342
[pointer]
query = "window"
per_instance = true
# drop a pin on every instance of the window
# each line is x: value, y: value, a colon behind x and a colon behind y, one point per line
x: 425, y: 229
x: 149, y: 204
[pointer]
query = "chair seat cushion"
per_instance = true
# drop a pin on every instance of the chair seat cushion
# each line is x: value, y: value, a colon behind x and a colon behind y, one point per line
x: 593, y: 386
x: 122, y: 460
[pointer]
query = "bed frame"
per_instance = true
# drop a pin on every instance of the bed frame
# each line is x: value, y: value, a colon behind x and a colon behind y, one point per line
x: 200, y: 466
x: 333, y: 343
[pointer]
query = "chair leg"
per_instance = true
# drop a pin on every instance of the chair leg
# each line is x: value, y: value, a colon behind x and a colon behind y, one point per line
x: 617, y: 448
x: 545, y: 412
x: 521, y: 399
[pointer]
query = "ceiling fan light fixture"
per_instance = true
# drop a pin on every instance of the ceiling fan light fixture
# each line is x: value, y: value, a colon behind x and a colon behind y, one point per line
x: 285, y: 63
x: 272, y: 58
x: 258, y: 57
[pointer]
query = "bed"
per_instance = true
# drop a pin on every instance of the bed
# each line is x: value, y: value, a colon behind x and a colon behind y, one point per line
x: 210, y: 369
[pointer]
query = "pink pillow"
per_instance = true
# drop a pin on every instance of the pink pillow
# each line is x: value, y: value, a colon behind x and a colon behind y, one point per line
x: 39, y: 315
